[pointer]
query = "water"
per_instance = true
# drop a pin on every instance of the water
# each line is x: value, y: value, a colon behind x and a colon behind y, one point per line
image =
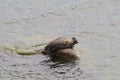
x: 95, y: 23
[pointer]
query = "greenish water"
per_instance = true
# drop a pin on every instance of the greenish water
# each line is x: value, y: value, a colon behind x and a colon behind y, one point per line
x: 26, y: 24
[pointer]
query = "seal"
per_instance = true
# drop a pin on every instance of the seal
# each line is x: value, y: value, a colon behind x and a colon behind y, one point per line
x: 61, y: 43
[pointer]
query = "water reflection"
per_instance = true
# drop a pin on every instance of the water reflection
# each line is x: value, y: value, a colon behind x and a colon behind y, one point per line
x: 64, y: 71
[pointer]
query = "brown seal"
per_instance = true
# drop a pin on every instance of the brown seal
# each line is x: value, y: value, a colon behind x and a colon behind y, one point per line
x: 61, y: 43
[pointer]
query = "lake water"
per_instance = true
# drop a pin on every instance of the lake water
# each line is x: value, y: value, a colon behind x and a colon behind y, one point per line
x: 95, y: 23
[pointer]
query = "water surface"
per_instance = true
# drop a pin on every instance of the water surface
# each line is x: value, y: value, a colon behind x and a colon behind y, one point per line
x: 94, y: 23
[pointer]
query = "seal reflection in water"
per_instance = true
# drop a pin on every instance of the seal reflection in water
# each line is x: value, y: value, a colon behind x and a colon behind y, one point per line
x: 62, y: 49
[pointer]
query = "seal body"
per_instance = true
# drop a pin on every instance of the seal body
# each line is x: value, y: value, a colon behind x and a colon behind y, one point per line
x: 69, y: 54
x: 61, y: 43
x: 65, y: 56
